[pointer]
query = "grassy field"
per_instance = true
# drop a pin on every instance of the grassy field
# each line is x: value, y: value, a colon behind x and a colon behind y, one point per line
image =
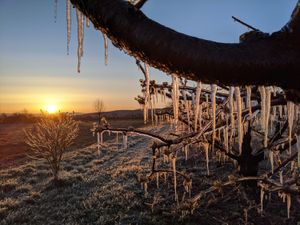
x: 13, y: 148
x: 105, y: 190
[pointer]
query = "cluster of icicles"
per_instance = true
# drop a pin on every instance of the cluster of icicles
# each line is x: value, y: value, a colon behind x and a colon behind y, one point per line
x: 100, y: 139
x: 81, y: 20
x: 238, y: 104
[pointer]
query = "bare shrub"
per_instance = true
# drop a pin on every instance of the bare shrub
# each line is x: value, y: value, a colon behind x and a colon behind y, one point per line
x: 50, y: 138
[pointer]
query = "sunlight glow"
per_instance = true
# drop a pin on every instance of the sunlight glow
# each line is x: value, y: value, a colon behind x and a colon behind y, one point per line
x: 51, y: 108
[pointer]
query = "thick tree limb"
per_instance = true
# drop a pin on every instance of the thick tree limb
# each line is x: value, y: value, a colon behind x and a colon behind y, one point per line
x: 271, y: 60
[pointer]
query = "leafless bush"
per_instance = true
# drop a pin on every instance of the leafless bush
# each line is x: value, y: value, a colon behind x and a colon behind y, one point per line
x: 50, y: 138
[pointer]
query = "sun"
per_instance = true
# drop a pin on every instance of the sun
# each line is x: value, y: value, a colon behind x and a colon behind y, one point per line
x: 51, y: 108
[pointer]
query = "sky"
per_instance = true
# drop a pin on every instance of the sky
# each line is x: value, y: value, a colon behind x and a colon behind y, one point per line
x: 36, y: 71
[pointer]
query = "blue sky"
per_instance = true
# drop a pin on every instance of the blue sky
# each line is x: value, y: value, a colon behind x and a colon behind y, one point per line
x: 35, y: 69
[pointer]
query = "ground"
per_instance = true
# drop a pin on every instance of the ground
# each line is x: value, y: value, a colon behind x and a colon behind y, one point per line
x: 105, y: 190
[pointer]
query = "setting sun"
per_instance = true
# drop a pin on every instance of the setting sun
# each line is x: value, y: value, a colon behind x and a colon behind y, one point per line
x: 51, y: 108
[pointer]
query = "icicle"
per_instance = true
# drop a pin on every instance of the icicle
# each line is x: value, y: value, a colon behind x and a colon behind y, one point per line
x: 262, y: 195
x: 80, y: 34
x: 175, y: 98
x: 186, y: 108
x: 68, y: 12
x: 147, y: 92
x: 206, y: 147
x: 225, y: 136
x: 101, y: 138
x: 186, y: 152
x: 281, y: 176
x: 248, y: 105
x: 290, y: 109
x: 174, y: 173
x: 298, y: 148
x: 239, y: 117
x: 197, y: 104
x: 88, y: 22
x: 263, y: 105
x: 231, y: 107
x: 271, y: 158
x: 200, y: 116
x: 267, y: 115
x: 105, y: 49
x: 98, y: 143
x: 288, y: 204
x: 280, y: 111
x: 125, y: 141
x: 213, y: 105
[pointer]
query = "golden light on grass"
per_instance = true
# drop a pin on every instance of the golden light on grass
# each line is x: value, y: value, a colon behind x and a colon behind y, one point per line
x: 51, y: 108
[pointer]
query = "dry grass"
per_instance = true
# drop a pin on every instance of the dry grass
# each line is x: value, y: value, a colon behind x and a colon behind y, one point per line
x: 104, y: 190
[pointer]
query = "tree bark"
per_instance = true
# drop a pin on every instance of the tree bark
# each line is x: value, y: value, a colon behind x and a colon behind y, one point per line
x: 266, y: 60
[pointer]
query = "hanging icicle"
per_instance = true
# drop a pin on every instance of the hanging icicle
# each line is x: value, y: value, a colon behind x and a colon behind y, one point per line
x: 206, y: 148
x: 197, y: 104
x: 262, y: 91
x: 248, y: 105
x: 125, y: 140
x: 175, y: 98
x: 239, y: 118
x: 271, y: 158
x: 298, y: 149
x: 174, y: 173
x: 80, y: 34
x: 291, y: 110
x: 105, y: 49
x: 147, y: 93
x: 98, y: 143
x: 267, y: 114
x: 88, y: 22
x: 231, y: 108
x: 186, y: 105
x: 213, y: 106
x: 68, y: 15
x: 288, y: 204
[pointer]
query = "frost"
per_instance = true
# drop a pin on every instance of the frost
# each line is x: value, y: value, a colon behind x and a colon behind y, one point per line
x: 239, y: 118
x: 197, y: 105
x: 68, y: 15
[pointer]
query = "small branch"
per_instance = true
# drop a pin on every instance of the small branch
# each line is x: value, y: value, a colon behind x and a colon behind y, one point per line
x: 245, y: 24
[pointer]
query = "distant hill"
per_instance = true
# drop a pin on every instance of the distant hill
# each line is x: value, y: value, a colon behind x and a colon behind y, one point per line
x: 117, y: 114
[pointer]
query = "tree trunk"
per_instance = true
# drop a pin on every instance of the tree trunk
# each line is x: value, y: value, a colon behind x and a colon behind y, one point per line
x: 266, y: 60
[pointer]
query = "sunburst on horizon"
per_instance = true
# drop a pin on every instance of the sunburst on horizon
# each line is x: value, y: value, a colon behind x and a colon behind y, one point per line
x: 51, y: 108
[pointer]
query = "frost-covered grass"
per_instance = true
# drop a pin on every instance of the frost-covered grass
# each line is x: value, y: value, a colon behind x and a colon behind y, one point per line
x: 104, y: 190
